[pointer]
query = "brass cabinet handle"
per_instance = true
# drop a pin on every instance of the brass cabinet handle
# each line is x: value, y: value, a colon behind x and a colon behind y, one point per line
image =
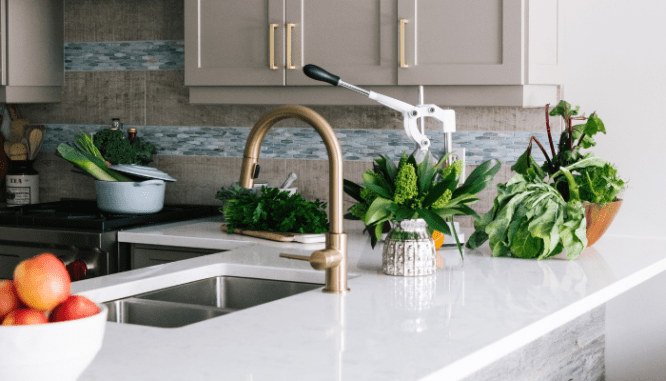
x: 290, y: 66
x: 402, y: 42
x: 271, y: 48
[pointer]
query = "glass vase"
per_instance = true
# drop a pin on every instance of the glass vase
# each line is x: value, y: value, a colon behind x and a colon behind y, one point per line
x: 409, y: 250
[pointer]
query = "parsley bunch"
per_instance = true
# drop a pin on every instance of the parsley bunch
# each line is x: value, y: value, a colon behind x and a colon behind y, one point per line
x: 276, y: 210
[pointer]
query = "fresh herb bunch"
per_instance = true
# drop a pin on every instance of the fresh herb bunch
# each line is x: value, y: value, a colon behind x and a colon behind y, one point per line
x: 410, y: 190
x: 540, y: 211
x: 116, y: 149
x: 234, y: 191
x: 276, y: 210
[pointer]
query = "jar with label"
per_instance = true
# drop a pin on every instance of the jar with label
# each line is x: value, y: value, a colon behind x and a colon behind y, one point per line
x: 22, y: 182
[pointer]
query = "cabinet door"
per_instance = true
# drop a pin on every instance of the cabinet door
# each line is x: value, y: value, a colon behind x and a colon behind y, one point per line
x: 352, y: 39
x: 151, y: 255
x: 461, y: 42
x: 3, y: 42
x: 229, y: 43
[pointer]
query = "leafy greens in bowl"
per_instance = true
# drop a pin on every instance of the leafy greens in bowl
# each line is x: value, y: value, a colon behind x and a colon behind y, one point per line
x: 539, y: 212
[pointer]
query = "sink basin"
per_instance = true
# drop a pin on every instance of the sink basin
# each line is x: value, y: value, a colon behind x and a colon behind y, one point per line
x: 201, y: 300
x: 158, y: 314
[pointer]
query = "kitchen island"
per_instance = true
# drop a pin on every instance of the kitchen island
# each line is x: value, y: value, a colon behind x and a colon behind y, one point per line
x: 487, y: 318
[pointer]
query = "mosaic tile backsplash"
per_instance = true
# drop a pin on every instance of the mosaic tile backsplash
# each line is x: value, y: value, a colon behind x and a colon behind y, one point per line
x: 124, y: 55
x: 305, y: 143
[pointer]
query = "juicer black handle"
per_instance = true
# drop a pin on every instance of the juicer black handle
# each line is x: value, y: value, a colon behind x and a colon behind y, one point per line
x: 319, y: 74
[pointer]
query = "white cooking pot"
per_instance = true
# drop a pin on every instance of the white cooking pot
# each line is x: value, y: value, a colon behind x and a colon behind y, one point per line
x: 140, y: 197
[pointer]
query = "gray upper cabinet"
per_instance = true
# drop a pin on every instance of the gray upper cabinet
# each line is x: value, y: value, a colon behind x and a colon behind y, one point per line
x: 31, y: 50
x: 353, y: 39
x: 464, y: 52
x: 267, y: 42
x: 229, y: 43
x: 479, y: 42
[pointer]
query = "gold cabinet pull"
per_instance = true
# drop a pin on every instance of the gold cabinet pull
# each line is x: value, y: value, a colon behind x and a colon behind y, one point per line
x: 290, y: 65
x: 271, y: 48
x: 402, y: 42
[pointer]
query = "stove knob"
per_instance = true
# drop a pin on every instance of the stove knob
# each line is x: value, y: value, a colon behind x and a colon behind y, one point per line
x: 77, y: 270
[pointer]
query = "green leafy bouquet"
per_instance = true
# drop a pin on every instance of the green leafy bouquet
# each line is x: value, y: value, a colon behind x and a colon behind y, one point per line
x: 539, y: 212
x: 410, y: 190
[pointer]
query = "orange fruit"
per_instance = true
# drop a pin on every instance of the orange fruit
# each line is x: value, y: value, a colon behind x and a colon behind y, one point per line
x: 438, y: 237
x: 75, y: 307
x: 42, y: 282
x: 25, y: 317
x: 9, y: 301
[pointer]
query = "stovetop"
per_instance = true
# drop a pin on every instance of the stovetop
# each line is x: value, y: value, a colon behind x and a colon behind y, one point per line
x: 84, y: 215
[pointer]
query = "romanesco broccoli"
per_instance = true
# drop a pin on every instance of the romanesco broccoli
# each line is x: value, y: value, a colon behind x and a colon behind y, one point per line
x: 403, y: 160
x: 456, y: 167
x: 368, y: 195
x: 359, y: 210
x: 371, y: 176
x: 442, y: 200
x: 405, y: 184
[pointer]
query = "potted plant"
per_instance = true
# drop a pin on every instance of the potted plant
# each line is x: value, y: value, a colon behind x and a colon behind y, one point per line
x: 542, y: 210
x: 411, y: 196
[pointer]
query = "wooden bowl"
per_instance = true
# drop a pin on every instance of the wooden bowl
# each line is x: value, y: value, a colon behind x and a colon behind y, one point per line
x: 599, y: 218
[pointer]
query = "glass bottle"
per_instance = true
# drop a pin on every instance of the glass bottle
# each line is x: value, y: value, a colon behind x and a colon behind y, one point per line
x: 22, y: 183
x: 116, y: 124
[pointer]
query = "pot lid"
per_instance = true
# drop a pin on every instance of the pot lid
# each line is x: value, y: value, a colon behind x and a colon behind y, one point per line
x: 142, y: 171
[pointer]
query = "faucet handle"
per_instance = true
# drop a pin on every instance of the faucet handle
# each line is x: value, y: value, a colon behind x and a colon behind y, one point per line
x: 294, y: 256
x: 320, y: 259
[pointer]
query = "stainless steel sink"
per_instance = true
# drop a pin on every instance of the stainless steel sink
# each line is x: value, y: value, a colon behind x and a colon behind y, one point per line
x: 158, y: 314
x: 201, y: 300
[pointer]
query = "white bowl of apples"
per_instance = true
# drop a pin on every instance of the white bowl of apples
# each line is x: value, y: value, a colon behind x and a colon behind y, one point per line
x: 46, y: 333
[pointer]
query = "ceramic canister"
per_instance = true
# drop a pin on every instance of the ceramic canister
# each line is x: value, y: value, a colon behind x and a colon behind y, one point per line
x: 22, y: 182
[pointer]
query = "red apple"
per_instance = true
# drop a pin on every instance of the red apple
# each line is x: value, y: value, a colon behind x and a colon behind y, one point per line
x: 75, y: 307
x: 9, y: 301
x: 24, y: 317
x: 42, y: 282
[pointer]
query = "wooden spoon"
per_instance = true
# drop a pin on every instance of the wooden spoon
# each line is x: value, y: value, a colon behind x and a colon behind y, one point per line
x: 35, y: 139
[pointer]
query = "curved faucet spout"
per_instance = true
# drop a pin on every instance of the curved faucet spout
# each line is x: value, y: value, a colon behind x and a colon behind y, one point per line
x: 336, y: 240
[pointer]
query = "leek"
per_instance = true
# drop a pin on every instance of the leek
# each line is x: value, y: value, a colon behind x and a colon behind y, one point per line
x: 90, y: 164
x: 86, y: 143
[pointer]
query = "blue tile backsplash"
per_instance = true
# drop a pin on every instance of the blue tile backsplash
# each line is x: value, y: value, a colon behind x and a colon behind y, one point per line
x: 124, y: 55
x: 305, y: 143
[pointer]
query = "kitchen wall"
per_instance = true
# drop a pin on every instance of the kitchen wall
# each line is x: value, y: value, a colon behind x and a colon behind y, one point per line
x: 615, y: 57
x: 123, y: 59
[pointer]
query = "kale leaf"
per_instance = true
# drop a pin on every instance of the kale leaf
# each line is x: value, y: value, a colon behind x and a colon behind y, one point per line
x: 117, y: 150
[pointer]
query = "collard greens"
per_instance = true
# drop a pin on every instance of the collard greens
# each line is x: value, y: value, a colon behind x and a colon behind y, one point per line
x: 539, y: 212
x: 530, y: 219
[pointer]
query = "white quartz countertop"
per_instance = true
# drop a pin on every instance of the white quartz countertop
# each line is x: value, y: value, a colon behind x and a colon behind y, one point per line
x: 445, y: 326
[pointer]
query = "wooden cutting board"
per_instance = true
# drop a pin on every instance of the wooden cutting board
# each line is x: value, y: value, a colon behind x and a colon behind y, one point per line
x: 280, y: 236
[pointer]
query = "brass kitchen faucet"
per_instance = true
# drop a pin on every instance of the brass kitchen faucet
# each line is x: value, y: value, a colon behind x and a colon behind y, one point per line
x: 332, y: 259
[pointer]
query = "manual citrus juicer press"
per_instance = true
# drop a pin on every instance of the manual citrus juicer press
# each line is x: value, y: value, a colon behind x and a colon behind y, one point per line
x: 410, y: 114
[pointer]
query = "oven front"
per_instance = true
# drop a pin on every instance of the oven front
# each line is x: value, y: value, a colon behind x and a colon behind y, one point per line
x: 86, y: 254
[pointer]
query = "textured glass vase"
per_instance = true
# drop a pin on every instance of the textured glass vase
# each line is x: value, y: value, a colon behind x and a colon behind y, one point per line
x: 409, y: 250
